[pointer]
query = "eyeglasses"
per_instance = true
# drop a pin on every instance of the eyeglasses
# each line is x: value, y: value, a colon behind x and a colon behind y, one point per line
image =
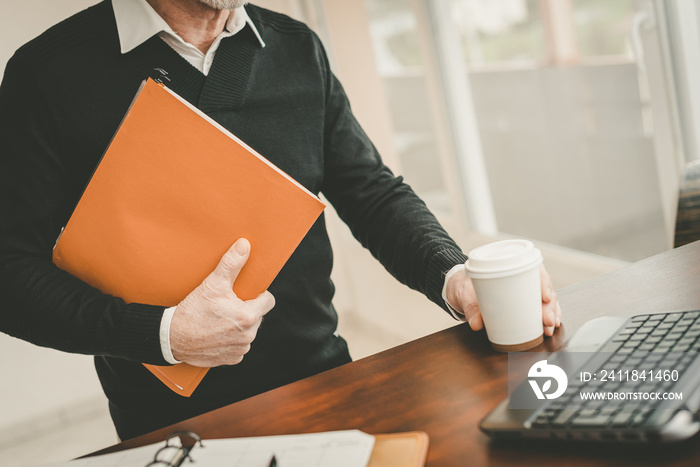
x: 173, y: 454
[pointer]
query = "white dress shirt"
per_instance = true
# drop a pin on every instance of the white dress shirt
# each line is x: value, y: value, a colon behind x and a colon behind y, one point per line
x: 137, y: 22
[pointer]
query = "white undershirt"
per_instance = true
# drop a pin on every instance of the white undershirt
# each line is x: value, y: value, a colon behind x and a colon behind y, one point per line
x: 137, y: 22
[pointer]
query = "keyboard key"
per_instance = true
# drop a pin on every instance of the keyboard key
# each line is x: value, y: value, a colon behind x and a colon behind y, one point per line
x: 632, y: 405
x: 656, y: 317
x: 688, y: 357
x: 564, y: 417
x: 588, y: 422
x: 640, y: 319
x: 671, y: 317
x: 592, y: 405
x: 611, y: 347
x: 639, y: 418
x: 622, y: 418
x: 540, y: 423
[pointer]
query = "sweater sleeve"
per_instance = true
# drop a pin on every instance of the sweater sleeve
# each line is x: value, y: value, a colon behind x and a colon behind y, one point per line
x: 382, y: 211
x: 41, y: 303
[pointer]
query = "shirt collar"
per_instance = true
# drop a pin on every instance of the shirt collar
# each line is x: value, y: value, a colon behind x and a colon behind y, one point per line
x: 137, y: 22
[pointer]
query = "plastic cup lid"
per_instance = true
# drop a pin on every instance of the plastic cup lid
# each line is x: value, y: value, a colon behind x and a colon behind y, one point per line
x: 503, y: 258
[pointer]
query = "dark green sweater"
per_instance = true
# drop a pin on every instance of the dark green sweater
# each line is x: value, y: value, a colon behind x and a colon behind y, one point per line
x: 61, y: 100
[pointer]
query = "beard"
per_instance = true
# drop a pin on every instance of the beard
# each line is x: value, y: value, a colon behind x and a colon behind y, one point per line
x: 223, y: 4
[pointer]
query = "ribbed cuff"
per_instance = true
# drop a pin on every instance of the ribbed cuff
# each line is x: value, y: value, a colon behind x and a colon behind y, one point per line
x: 439, y: 266
x: 138, y: 338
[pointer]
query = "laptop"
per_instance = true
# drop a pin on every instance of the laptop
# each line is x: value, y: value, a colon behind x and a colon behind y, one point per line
x: 633, y: 379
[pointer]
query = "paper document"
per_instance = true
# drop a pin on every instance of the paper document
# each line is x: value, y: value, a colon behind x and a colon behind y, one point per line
x: 351, y: 448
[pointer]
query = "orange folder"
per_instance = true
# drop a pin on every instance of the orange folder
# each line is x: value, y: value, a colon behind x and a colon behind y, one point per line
x: 172, y: 193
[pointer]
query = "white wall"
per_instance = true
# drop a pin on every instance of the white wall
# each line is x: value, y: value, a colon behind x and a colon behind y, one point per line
x: 22, y: 21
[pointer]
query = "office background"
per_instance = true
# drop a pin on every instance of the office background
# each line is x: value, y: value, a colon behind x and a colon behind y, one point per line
x: 564, y: 121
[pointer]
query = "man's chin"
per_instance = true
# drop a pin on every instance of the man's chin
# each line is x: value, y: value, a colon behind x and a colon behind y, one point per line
x: 224, y: 4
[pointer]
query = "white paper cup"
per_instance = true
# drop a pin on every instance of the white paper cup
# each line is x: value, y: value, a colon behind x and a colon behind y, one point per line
x: 506, y: 277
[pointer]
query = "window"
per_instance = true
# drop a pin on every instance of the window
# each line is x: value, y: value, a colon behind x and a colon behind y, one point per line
x: 398, y: 54
x: 569, y: 156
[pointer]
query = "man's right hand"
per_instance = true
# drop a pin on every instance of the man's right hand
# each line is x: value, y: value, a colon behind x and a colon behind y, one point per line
x: 212, y: 326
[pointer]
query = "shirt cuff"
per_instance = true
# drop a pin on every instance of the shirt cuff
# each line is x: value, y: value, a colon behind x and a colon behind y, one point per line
x: 165, y: 335
x: 455, y: 314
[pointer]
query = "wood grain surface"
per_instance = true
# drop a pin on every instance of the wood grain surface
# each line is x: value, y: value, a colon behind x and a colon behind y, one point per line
x: 445, y: 383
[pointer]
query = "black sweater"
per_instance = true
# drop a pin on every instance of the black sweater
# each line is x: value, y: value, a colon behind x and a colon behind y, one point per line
x: 61, y: 100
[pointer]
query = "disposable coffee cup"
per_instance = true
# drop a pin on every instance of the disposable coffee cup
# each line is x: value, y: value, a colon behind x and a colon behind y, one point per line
x: 506, y: 278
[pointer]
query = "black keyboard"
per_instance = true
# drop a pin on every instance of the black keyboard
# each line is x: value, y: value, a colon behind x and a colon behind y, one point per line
x: 664, y: 340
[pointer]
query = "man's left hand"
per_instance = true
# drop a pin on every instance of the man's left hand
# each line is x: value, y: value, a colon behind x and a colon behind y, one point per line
x: 461, y: 296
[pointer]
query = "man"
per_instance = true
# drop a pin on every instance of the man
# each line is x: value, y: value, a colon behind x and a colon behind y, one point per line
x: 264, y: 77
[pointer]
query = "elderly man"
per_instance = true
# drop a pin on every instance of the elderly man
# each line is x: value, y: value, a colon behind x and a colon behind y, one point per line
x: 266, y: 78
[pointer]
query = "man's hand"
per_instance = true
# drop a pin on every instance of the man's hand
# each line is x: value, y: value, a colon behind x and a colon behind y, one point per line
x: 461, y: 295
x: 212, y: 326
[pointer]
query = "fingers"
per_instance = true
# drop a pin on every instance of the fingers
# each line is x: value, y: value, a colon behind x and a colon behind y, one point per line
x: 262, y: 304
x: 250, y: 318
x: 231, y: 264
x: 212, y: 326
x: 217, y: 330
x: 551, y: 315
x: 551, y: 311
x: 546, y: 284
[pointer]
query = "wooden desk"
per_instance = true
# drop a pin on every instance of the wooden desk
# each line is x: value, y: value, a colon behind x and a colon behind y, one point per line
x: 445, y: 383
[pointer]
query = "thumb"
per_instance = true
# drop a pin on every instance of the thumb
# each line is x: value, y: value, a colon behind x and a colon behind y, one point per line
x: 231, y: 263
x: 475, y: 320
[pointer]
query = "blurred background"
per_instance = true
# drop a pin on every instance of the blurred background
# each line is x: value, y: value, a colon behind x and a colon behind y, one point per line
x: 567, y: 122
